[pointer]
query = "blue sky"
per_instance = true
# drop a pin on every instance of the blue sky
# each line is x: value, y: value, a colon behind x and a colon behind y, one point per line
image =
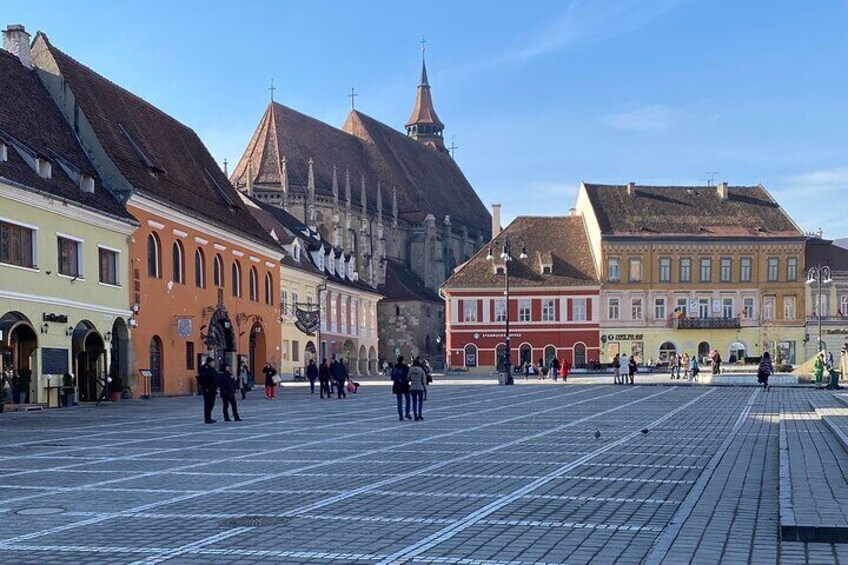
x: 540, y: 95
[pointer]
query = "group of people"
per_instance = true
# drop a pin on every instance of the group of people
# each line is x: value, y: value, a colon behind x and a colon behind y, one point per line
x: 409, y: 385
x: 624, y: 369
x: 683, y: 366
x: 211, y: 381
x: 555, y: 368
x: 334, y: 374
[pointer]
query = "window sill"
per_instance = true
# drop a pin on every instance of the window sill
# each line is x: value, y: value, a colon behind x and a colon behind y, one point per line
x: 71, y: 277
x: 21, y: 267
x: 108, y: 285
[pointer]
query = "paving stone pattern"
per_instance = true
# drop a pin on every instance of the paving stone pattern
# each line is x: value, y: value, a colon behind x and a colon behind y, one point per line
x: 493, y: 476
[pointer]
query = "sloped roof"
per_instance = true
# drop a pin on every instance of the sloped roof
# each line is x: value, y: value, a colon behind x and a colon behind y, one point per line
x: 161, y: 157
x: 426, y: 181
x: 403, y: 284
x: 748, y: 211
x: 563, y: 239
x: 423, y: 112
x: 28, y: 117
x: 825, y: 252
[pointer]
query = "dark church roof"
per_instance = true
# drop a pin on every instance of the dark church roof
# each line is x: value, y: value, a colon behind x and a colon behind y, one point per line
x: 748, y: 211
x: 403, y: 284
x: 159, y: 156
x: 824, y: 252
x: 426, y: 181
x: 558, y: 241
x: 30, y: 123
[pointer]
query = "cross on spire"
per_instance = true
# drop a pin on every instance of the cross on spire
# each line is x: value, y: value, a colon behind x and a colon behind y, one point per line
x: 423, y: 46
x: 453, y: 146
x: 352, y: 97
x: 225, y: 167
x: 272, y: 89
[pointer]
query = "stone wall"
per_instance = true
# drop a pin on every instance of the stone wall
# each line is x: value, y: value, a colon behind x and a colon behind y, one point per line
x: 412, y: 328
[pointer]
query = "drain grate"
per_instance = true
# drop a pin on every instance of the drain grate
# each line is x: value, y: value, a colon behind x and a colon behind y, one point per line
x: 254, y: 522
x: 40, y: 511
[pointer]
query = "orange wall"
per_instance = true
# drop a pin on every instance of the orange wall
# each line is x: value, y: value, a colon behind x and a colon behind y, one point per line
x: 161, y: 306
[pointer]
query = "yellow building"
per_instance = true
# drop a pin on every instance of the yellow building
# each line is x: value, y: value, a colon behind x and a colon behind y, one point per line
x: 695, y: 269
x: 64, y: 292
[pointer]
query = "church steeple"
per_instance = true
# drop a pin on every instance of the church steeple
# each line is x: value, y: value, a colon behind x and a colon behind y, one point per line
x: 424, y: 125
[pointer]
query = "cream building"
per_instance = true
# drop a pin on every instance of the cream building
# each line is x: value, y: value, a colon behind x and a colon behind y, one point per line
x: 692, y: 269
x: 64, y: 297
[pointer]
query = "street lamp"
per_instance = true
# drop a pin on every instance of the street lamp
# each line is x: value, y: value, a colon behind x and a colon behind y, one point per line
x: 819, y: 275
x: 506, y: 255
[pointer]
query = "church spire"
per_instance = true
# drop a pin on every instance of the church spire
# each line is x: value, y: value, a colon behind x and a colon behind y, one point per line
x: 310, y: 205
x: 424, y: 125
x: 284, y: 183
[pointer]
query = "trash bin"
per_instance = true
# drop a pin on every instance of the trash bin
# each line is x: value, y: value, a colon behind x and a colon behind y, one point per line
x: 834, y: 379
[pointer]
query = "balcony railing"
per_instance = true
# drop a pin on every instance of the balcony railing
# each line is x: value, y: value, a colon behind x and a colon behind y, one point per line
x: 706, y: 323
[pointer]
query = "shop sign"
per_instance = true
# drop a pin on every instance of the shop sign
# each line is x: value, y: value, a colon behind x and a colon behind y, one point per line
x: 511, y: 335
x: 54, y: 318
x: 836, y: 332
x: 623, y: 337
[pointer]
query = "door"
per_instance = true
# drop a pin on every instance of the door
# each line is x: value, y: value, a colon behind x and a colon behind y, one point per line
x: 156, y: 364
x: 579, y: 355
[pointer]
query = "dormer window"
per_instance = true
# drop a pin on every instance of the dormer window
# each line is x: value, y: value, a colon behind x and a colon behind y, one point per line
x: 87, y: 184
x: 331, y: 263
x: 547, y: 268
x: 500, y: 270
x: 350, y: 269
x: 4, y: 152
x: 321, y: 261
x: 43, y: 167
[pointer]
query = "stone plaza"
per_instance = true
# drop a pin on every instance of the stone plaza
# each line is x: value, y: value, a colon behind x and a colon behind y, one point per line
x: 531, y: 474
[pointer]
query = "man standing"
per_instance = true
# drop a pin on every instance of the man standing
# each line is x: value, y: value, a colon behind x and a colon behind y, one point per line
x: 228, y: 394
x: 208, y: 381
x: 337, y: 374
x: 400, y: 388
x: 312, y: 375
x: 324, y: 379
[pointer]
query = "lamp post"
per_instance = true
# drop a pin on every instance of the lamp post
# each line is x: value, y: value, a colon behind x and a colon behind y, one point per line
x: 819, y: 275
x: 506, y: 255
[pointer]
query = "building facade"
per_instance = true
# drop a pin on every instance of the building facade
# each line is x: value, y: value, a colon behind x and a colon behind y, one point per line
x: 63, y: 245
x: 695, y: 269
x: 827, y: 304
x: 203, y: 275
x: 392, y: 201
x: 553, y: 300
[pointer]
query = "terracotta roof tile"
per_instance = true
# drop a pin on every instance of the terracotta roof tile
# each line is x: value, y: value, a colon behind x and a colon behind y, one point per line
x: 563, y: 239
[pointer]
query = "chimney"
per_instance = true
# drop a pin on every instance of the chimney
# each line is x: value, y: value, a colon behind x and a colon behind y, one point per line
x: 496, y: 220
x: 722, y: 190
x: 16, y: 42
x: 572, y: 211
x: 631, y: 189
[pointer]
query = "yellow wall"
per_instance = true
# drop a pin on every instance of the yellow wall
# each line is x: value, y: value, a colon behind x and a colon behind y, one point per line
x: 294, y: 341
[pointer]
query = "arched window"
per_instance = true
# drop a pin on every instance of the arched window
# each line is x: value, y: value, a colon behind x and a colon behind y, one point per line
x: 703, y: 351
x: 470, y: 355
x: 253, y: 281
x: 579, y: 354
x: 154, y: 256
x: 269, y: 289
x: 667, y: 349
x: 236, y: 276
x: 219, y: 271
x: 179, y: 263
x: 550, y: 354
x: 199, y: 268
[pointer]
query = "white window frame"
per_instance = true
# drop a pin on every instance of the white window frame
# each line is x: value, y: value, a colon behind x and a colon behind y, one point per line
x: 789, y: 313
x: 525, y: 310
x: 749, y: 307
x: 35, y: 231
x: 469, y: 310
x: 548, y: 310
x: 613, y: 303
x: 80, y: 263
x: 727, y: 305
x: 117, y: 253
x: 635, y: 270
x: 578, y: 310
x: 636, y: 308
x: 616, y: 262
x: 660, y: 308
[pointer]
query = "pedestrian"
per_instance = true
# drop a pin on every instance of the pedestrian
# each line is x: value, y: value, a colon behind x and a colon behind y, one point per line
x: 270, y: 382
x: 555, y: 368
x: 345, y: 378
x: 228, y: 394
x: 566, y: 369
x: 417, y: 389
x: 400, y: 388
x: 616, y: 368
x: 631, y: 369
x: 684, y: 362
x: 540, y: 367
x: 716, y: 362
x: 672, y: 362
x: 765, y: 370
x: 243, y: 379
x: 324, y: 379
x: 312, y: 375
x: 336, y: 377
x: 209, y: 381
x: 526, y: 370
x: 693, y: 371
x: 819, y: 366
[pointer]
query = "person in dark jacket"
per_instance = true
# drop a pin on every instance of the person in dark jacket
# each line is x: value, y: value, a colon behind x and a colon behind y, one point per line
x: 400, y: 388
x: 229, y: 386
x: 631, y: 369
x: 324, y: 379
x: 417, y: 388
x: 243, y: 379
x: 765, y: 370
x: 339, y: 374
x: 270, y: 386
x: 209, y: 381
x: 312, y: 375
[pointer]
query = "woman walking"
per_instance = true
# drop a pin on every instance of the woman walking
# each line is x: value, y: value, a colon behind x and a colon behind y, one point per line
x: 270, y: 384
x: 685, y: 363
x: 631, y: 369
x: 616, y: 369
x: 324, y: 378
x: 693, y: 370
x: 765, y: 370
x: 417, y: 389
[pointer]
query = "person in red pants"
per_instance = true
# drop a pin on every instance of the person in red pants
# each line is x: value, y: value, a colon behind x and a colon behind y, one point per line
x: 270, y: 386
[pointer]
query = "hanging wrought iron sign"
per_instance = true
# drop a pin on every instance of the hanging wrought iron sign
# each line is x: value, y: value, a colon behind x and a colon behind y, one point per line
x: 308, y: 317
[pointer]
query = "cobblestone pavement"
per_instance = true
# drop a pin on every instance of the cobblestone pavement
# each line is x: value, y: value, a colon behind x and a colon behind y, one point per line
x: 493, y: 476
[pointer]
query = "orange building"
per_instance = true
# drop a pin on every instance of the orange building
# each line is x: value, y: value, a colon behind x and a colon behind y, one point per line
x: 203, y: 273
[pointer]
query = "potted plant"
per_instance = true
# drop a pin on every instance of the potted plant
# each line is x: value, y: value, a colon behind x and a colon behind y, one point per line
x: 20, y: 385
x: 68, y: 390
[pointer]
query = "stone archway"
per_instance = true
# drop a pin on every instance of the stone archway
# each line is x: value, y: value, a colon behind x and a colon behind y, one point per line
x: 119, y: 350
x: 362, y: 365
x: 349, y: 355
x: 18, y: 347
x: 220, y: 338
x: 257, y: 354
x: 88, y: 351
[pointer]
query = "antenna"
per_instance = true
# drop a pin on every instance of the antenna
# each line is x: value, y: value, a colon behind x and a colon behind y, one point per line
x: 711, y: 176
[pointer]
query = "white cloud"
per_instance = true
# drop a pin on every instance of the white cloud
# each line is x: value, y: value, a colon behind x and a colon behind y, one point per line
x: 825, y: 180
x: 588, y: 20
x: 646, y: 118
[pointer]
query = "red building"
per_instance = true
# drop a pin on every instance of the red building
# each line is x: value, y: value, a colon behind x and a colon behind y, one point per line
x: 553, y: 300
